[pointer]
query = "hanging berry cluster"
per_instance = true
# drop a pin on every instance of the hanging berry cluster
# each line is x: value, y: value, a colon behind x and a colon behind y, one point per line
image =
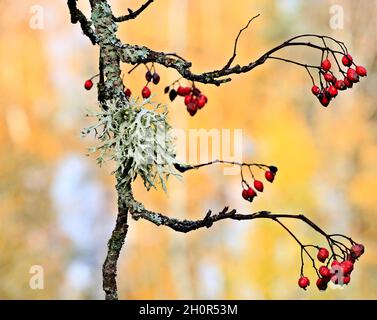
x: 150, y: 76
x: 330, y: 85
x: 193, y: 98
x: 337, y: 268
x: 248, y: 192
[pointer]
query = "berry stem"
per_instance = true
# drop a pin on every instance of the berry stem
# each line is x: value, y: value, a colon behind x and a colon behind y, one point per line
x: 251, y: 172
x: 132, y: 69
x: 94, y: 76
x: 343, y: 236
x: 294, y: 62
x: 303, y: 247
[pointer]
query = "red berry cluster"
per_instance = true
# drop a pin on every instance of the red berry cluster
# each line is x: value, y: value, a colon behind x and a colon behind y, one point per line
x: 150, y: 77
x: 325, y: 93
x: 339, y: 272
x: 193, y: 98
x: 249, y: 193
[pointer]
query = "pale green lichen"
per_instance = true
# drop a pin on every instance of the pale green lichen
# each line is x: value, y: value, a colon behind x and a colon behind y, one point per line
x: 133, y: 54
x: 136, y: 135
x: 106, y: 30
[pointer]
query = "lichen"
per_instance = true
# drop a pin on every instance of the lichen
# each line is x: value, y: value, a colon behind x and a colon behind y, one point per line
x: 136, y: 135
x: 133, y: 54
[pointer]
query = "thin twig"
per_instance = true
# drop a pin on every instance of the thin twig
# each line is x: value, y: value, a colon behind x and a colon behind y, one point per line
x: 133, y: 14
x: 229, y: 63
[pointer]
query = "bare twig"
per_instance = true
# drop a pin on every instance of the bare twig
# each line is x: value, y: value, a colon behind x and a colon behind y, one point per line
x: 78, y: 16
x: 229, y: 63
x: 133, y: 14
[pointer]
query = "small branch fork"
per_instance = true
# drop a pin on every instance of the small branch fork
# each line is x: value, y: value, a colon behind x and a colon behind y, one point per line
x: 133, y: 14
x: 229, y: 63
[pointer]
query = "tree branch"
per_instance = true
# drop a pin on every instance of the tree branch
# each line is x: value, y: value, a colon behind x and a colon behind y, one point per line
x: 78, y: 16
x: 133, y: 14
x: 134, y: 54
x: 138, y: 211
x: 115, y: 244
x: 185, y: 167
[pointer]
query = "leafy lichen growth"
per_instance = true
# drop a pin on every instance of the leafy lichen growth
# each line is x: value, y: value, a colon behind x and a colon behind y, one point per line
x: 136, y: 135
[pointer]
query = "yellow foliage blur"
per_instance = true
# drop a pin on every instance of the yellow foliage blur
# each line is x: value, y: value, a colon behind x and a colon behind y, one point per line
x: 58, y: 207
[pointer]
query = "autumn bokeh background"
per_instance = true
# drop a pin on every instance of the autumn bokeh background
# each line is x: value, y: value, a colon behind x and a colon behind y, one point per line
x: 58, y: 206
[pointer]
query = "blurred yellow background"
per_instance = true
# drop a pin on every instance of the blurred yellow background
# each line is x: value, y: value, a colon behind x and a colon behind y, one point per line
x: 58, y: 207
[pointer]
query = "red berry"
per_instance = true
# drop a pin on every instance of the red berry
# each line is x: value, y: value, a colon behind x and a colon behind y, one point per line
x: 202, y: 100
x: 196, y: 91
x: 350, y: 257
x: 192, y: 108
x: 251, y: 193
x: 156, y: 78
x: 357, y: 250
x: 269, y: 176
x: 326, y: 65
x: 146, y: 93
x: 188, y: 99
x: 335, y: 267
x: 303, y: 282
x: 361, y: 71
x: 258, y: 185
x: 187, y: 90
x: 340, y: 279
x: 348, y: 83
x: 352, y: 75
x: 333, y: 91
x: 340, y: 85
x: 183, y: 91
x: 180, y: 91
x: 346, y: 279
x: 324, y: 272
x: 347, y: 60
x: 148, y: 76
x: 315, y: 90
x: 322, y: 254
x: 321, y: 284
x: 88, y: 84
x: 324, y: 100
x: 328, y: 77
x: 347, y: 267
x: 248, y: 194
x: 128, y: 92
